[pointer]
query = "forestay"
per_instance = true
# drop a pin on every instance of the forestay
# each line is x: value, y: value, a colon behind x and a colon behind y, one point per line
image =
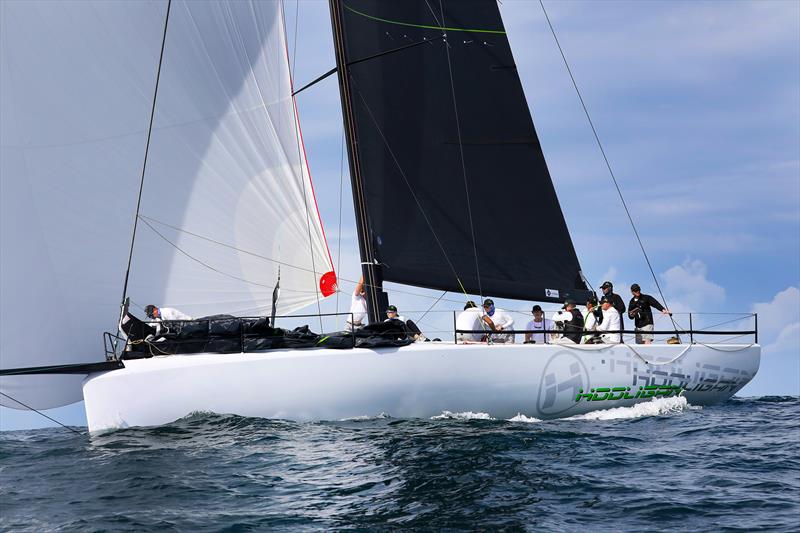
x: 227, y: 194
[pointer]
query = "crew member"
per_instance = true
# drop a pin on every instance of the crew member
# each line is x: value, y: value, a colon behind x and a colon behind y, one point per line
x: 498, y: 320
x: 538, y: 323
x: 470, y: 319
x: 639, y: 309
x: 391, y: 314
x: 572, y: 321
x: 411, y: 328
x: 164, y: 313
x: 611, y: 323
x: 590, y: 320
x: 358, y: 306
x: 616, y: 301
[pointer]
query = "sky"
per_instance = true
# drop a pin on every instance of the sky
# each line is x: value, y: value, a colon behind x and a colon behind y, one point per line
x: 697, y: 105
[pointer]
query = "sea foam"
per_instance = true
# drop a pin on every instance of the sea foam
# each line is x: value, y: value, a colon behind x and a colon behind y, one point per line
x: 655, y: 407
x: 466, y: 415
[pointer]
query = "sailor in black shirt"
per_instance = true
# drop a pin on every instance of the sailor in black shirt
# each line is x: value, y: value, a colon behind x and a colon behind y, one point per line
x: 639, y: 309
x: 616, y: 301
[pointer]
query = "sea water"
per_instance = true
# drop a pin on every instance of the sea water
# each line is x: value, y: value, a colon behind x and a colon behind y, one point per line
x: 656, y: 466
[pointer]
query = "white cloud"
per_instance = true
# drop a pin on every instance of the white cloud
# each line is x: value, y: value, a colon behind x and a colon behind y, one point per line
x: 788, y: 341
x: 690, y: 289
x: 779, y: 320
x: 779, y: 333
x: 609, y: 275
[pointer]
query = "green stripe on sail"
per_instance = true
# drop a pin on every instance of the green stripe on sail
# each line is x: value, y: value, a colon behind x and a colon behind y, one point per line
x: 421, y: 25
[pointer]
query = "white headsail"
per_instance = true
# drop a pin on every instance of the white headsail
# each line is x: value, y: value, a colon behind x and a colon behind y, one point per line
x: 227, y: 195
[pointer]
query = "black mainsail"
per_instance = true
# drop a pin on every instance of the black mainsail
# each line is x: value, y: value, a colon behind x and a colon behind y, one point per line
x: 455, y: 190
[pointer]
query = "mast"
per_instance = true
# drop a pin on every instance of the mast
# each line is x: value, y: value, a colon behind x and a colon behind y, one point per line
x: 377, y: 300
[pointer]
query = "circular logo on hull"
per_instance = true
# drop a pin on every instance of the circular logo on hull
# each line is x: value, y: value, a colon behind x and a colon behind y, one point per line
x: 563, y: 376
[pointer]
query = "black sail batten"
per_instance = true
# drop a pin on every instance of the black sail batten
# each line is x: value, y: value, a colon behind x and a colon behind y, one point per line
x: 408, y: 153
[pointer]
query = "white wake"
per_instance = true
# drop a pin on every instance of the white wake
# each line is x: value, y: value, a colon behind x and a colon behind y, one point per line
x: 655, y: 407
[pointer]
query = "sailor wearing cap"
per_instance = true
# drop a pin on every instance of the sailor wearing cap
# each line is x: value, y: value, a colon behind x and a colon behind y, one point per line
x: 639, y: 309
x: 572, y: 320
x: 164, y: 313
x: 391, y: 314
x: 498, y: 320
x: 539, y: 322
x: 616, y: 301
x: 611, y: 323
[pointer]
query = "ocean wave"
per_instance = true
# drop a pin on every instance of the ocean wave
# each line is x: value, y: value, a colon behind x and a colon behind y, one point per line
x: 466, y: 415
x: 525, y: 419
x: 379, y: 416
x: 655, y: 407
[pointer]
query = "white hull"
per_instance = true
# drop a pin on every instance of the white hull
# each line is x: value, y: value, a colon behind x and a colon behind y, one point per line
x: 421, y: 380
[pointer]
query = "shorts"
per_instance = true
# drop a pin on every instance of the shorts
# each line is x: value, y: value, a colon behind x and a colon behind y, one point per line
x: 644, y: 334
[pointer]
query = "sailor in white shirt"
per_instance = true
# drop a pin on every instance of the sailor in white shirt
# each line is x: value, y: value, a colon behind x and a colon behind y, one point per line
x: 498, y: 320
x: 611, y: 322
x: 470, y: 319
x: 540, y: 323
x: 590, y: 320
x: 358, y: 307
x: 163, y: 313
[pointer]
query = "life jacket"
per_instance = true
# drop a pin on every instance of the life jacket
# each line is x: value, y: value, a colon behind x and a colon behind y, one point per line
x: 573, y: 329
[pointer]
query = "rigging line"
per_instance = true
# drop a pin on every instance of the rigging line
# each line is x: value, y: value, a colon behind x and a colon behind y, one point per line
x: 315, y: 81
x: 608, y: 164
x: 408, y: 184
x: 339, y: 236
x: 303, y: 167
x: 201, y: 262
x: 145, y: 218
x: 422, y: 26
x: 431, y: 307
x: 41, y: 413
x: 433, y: 14
x: 706, y: 328
x: 357, y: 61
x: 461, y: 152
x: 224, y: 245
x: 146, y: 152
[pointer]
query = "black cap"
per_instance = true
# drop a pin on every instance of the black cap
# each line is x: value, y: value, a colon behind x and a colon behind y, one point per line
x: 487, y: 302
x: 605, y: 300
x: 592, y: 300
x: 607, y: 285
x: 469, y: 304
x: 568, y: 302
x: 391, y: 308
x: 635, y: 288
x: 149, y: 311
x: 536, y: 307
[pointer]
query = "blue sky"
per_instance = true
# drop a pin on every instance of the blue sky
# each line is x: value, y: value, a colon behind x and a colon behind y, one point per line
x: 698, y: 107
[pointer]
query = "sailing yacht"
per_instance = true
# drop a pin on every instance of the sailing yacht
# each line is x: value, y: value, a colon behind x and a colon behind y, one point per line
x: 437, y: 128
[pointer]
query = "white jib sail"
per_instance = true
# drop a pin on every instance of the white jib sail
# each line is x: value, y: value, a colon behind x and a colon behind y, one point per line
x: 227, y: 194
